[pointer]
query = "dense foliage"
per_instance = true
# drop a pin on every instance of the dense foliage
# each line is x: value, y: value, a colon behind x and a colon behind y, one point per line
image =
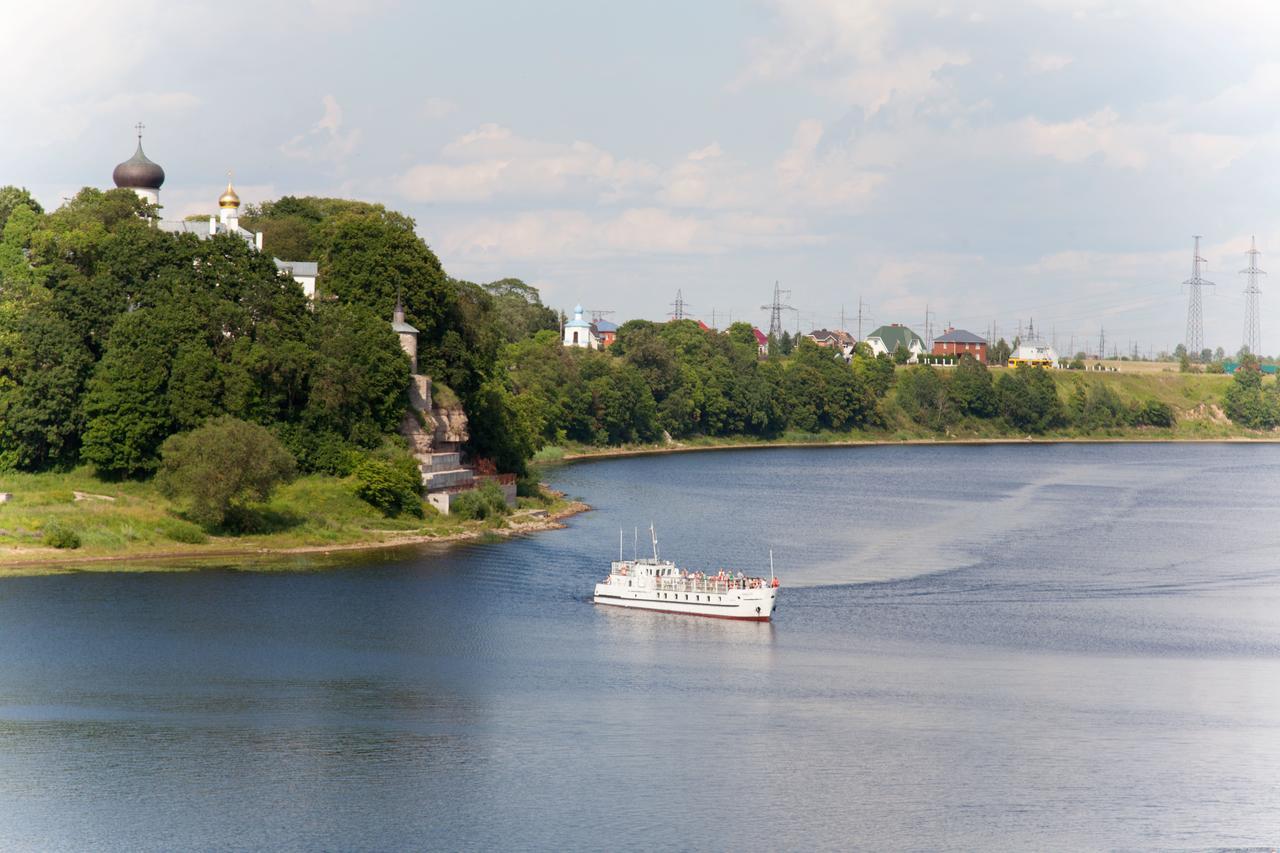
x: 222, y: 467
x: 115, y: 335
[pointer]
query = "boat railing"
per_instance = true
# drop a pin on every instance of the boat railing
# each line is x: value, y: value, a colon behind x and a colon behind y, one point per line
x: 712, y: 584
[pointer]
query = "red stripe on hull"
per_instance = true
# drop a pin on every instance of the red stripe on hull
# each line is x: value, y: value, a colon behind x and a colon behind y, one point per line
x: 686, y: 613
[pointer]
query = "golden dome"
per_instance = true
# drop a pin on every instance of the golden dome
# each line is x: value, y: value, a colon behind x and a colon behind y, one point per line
x: 229, y: 198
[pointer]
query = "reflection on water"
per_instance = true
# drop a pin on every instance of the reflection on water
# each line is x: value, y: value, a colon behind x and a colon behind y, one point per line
x: 1013, y: 647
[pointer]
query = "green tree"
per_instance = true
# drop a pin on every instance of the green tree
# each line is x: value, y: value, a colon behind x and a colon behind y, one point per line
x: 360, y: 375
x: 392, y: 484
x: 1001, y: 352
x: 923, y: 395
x: 11, y: 198
x: 971, y: 389
x: 222, y: 467
x: 1028, y: 399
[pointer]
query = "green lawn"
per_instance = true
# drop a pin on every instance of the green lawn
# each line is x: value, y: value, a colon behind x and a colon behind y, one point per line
x: 133, y: 518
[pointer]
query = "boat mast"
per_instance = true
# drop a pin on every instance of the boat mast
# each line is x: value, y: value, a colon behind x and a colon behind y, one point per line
x: 771, y: 565
x: 619, y: 544
x: 653, y: 534
x: 635, y: 544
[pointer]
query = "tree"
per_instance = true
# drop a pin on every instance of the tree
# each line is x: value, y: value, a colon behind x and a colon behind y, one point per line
x: 1248, y: 405
x: 922, y: 394
x: 1000, y: 352
x: 391, y: 483
x: 1028, y: 399
x: 222, y: 467
x: 360, y: 375
x: 11, y: 198
x: 971, y: 389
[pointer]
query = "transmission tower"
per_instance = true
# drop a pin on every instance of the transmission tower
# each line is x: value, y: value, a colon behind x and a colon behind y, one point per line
x: 775, y: 311
x: 1195, y: 309
x: 1252, y: 327
x: 1102, y: 343
x: 679, y: 306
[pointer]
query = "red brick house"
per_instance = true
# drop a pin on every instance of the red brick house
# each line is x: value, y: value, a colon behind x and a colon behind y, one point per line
x: 957, y: 342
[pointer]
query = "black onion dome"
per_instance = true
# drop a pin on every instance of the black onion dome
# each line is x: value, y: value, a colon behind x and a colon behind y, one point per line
x: 138, y: 172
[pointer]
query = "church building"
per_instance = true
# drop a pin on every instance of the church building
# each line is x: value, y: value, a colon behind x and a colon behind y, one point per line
x: 145, y: 178
x: 578, y: 332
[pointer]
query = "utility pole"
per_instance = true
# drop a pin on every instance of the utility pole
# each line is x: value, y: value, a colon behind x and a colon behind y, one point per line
x: 859, y: 318
x: 775, y: 310
x: 598, y: 314
x: 713, y: 320
x: 1252, y: 326
x: 1195, y: 309
x: 679, y: 306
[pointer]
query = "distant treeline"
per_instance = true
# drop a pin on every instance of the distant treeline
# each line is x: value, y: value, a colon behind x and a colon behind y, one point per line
x: 676, y: 379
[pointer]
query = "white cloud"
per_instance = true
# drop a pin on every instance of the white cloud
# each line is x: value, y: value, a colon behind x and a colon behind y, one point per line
x: 325, y: 141
x: 851, y: 51
x: 435, y: 108
x: 493, y: 161
x: 572, y: 234
x: 1041, y: 62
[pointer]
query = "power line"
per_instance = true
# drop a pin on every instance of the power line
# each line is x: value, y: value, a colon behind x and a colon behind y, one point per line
x: 679, y: 306
x: 775, y: 311
x: 1195, y: 308
x: 1252, y: 326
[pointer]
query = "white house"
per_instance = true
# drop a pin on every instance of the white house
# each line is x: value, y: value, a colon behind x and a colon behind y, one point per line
x: 886, y: 340
x: 578, y: 333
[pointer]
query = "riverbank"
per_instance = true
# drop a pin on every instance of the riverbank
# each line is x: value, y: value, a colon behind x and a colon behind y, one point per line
x: 584, y: 454
x: 129, y: 526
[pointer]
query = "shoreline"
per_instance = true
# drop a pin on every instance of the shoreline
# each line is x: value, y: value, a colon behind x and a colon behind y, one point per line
x: 676, y: 447
x: 52, y: 562
x: 39, y: 561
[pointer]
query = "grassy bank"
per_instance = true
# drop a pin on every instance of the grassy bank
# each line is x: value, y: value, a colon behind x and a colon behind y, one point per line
x: 1196, y: 400
x: 127, y: 520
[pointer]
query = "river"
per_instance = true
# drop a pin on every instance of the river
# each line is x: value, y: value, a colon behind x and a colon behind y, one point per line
x: 1008, y: 647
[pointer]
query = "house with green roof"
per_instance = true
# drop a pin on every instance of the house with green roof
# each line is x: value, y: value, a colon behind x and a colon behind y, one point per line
x: 887, y: 339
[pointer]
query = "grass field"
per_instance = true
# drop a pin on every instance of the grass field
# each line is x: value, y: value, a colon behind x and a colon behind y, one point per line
x: 120, y: 519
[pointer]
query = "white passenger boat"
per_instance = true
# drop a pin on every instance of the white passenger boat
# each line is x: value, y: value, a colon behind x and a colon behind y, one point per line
x: 659, y: 585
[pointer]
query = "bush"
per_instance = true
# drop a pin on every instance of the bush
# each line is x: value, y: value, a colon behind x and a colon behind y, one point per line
x: 392, y: 485
x: 485, y: 502
x: 1154, y: 413
x: 221, y: 467
x: 59, y: 536
x: 183, y: 531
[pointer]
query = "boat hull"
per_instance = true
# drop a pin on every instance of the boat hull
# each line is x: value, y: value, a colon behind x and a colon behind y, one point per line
x: 756, y: 607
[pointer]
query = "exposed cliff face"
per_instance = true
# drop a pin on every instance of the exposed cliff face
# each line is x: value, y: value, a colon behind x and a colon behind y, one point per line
x: 432, y: 428
x: 450, y: 425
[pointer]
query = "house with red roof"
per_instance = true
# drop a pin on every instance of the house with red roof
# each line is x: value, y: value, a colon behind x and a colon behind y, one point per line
x: 762, y: 342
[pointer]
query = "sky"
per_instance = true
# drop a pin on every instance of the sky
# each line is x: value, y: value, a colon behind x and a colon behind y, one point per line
x: 994, y: 164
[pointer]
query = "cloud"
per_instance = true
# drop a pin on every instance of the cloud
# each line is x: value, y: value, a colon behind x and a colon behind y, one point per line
x: 493, y: 161
x: 572, y: 234
x: 851, y: 51
x: 1041, y: 62
x: 325, y: 141
x: 434, y: 108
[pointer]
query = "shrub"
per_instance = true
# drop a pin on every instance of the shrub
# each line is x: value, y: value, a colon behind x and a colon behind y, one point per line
x: 221, y: 467
x: 1154, y: 413
x: 183, y: 531
x: 392, y: 485
x: 59, y: 536
x: 484, y: 502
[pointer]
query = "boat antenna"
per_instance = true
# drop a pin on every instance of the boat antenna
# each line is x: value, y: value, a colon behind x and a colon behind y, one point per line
x: 770, y: 565
x: 653, y: 534
x: 635, y: 544
x: 619, y: 544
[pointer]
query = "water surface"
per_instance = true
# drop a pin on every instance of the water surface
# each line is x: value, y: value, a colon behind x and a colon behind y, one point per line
x: 1020, y: 647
